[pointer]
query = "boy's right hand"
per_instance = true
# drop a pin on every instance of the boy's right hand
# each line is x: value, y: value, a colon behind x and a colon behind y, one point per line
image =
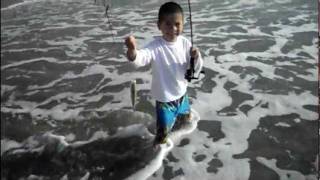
x: 131, y: 45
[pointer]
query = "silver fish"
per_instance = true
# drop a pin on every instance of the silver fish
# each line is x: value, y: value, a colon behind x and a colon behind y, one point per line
x: 133, y: 93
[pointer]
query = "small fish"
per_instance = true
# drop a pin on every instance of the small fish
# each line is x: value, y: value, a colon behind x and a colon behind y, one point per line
x: 133, y: 93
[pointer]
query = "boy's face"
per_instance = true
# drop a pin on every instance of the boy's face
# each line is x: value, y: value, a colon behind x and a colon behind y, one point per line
x: 171, y: 26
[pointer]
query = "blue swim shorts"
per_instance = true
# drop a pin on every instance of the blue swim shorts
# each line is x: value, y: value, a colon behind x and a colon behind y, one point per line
x: 167, y: 113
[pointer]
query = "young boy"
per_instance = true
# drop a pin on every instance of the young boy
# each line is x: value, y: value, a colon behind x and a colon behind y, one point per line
x: 169, y: 56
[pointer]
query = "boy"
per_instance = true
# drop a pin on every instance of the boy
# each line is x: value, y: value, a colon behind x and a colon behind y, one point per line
x: 169, y: 55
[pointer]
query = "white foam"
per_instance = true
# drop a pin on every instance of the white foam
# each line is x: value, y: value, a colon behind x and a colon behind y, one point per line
x: 7, y: 144
x: 284, y: 173
x: 65, y: 177
x: 237, y: 128
x: 76, y: 45
x: 19, y: 63
x: 59, y: 112
x: 30, y: 49
x: 281, y: 124
x: 86, y: 176
x: 132, y: 130
x: 34, y: 177
x: 219, y: 96
x: 70, y: 137
x: 176, y: 135
x: 247, y: 2
x: 292, y: 103
x: 37, y: 144
x: 156, y: 163
x: 17, y: 5
x: 282, y: 1
x: 128, y: 131
x: 6, y: 88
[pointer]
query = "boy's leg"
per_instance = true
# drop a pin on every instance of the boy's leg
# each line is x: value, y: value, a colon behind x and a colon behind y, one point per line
x: 165, y: 121
x: 184, y: 117
x: 161, y: 136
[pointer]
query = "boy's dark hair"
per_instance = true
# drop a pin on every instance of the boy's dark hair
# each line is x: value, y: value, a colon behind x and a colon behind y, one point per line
x: 169, y: 8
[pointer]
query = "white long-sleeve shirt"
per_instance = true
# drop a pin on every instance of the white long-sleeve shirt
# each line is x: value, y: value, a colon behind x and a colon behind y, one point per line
x: 169, y: 61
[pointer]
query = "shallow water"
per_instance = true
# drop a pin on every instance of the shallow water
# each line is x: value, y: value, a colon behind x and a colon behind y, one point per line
x: 65, y: 91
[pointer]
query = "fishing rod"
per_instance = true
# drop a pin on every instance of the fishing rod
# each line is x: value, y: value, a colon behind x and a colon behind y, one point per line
x: 189, y: 75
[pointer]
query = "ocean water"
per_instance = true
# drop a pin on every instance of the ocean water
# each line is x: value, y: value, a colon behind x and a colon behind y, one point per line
x: 65, y: 92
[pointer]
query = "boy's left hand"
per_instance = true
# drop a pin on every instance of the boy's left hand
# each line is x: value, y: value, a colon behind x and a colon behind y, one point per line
x: 194, y: 53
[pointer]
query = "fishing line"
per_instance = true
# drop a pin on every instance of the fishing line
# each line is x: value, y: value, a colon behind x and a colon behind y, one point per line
x: 107, y: 6
x: 190, y: 21
x: 106, y: 14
